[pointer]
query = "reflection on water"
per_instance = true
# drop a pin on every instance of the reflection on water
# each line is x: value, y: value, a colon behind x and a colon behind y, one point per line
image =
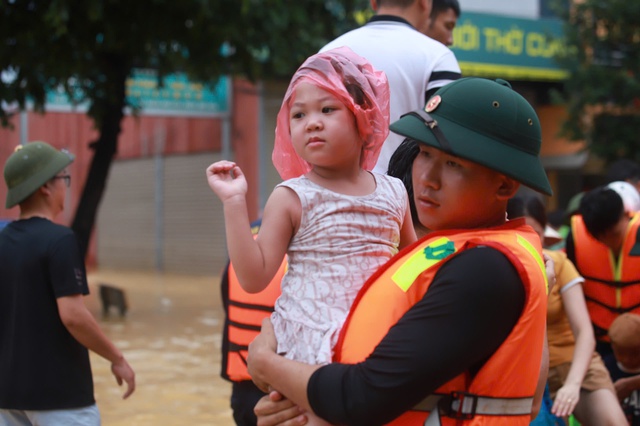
x: 171, y: 337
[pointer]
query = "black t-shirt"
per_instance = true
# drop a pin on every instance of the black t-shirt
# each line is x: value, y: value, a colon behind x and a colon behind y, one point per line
x: 42, y: 366
x: 472, y: 305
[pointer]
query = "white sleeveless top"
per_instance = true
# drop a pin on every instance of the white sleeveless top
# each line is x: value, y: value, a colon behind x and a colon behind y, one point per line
x: 341, y: 242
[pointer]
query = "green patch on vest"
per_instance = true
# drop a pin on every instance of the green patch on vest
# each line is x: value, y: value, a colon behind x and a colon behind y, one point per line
x: 422, y: 260
x: 439, y: 252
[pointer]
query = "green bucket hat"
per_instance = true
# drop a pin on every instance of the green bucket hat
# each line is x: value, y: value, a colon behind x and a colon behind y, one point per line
x: 483, y: 121
x: 31, y: 166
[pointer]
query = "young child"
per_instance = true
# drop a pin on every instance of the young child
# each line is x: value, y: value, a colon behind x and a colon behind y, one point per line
x: 336, y: 221
x: 624, y: 363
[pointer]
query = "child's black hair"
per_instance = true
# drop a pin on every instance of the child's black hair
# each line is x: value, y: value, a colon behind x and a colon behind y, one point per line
x: 357, y: 94
x: 601, y: 208
x: 401, y: 165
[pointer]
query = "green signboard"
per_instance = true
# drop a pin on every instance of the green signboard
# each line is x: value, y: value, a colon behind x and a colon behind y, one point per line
x: 511, y: 48
x: 178, y: 96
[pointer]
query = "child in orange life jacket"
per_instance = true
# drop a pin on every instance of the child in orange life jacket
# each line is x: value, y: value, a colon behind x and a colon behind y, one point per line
x: 336, y: 221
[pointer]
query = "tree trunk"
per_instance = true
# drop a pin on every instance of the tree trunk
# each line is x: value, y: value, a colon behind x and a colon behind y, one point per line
x: 105, y: 147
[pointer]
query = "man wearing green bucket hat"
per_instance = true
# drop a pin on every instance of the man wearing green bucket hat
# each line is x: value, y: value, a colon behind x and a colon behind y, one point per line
x: 451, y: 330
x: 45, y: 328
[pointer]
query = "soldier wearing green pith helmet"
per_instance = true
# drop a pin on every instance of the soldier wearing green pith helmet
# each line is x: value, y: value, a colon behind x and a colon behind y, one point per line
x: 45, y: 328
x: 450, y: 331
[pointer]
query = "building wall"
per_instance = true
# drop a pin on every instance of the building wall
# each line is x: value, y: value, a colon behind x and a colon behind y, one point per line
x: 159, y: 213
x: 125, y: 232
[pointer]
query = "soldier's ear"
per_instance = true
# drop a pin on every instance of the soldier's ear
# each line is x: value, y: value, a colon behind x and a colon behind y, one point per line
x: 46, y: 188
x: 508, y: 187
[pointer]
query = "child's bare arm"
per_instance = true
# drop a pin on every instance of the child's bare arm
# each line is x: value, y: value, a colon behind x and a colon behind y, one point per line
x: 280, y: 221
x: 255, y: 260
x: 407, y: 232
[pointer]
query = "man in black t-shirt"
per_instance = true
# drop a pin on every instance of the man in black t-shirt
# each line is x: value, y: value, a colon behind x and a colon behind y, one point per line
x: 45, y: 328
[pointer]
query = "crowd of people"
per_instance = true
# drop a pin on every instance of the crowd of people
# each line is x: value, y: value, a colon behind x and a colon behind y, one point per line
x: 594, y: 310
x: 404, y: 272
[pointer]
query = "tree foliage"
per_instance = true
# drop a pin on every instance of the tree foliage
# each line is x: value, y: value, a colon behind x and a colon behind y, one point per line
x: 91, y: 47
x: 603, y: 90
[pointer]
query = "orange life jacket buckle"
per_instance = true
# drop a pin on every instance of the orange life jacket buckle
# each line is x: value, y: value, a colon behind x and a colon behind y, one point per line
x: 462, y: 405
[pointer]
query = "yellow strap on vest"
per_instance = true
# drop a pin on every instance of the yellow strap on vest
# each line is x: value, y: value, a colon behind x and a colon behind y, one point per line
x: 422, y: 260
x: 534, y: 253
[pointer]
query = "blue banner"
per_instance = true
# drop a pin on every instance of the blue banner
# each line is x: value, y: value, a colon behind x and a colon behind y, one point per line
x: 177, y: 97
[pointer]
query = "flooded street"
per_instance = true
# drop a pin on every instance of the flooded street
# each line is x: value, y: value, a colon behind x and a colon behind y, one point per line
x: 171, y: 337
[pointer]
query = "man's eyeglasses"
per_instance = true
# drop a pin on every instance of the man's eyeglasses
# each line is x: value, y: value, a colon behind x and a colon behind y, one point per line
x: 67, y: 179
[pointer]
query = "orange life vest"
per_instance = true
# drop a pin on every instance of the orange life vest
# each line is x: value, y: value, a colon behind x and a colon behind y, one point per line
x: 245, y: 312
x: 610, y: 288
x: 501, y: 392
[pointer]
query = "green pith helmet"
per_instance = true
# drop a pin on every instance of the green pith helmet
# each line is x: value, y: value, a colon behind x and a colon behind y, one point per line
x: 483, y: 121
x: 31, y: 166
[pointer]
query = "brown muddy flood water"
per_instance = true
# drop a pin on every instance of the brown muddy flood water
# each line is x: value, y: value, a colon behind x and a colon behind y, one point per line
x: 171, y: 337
